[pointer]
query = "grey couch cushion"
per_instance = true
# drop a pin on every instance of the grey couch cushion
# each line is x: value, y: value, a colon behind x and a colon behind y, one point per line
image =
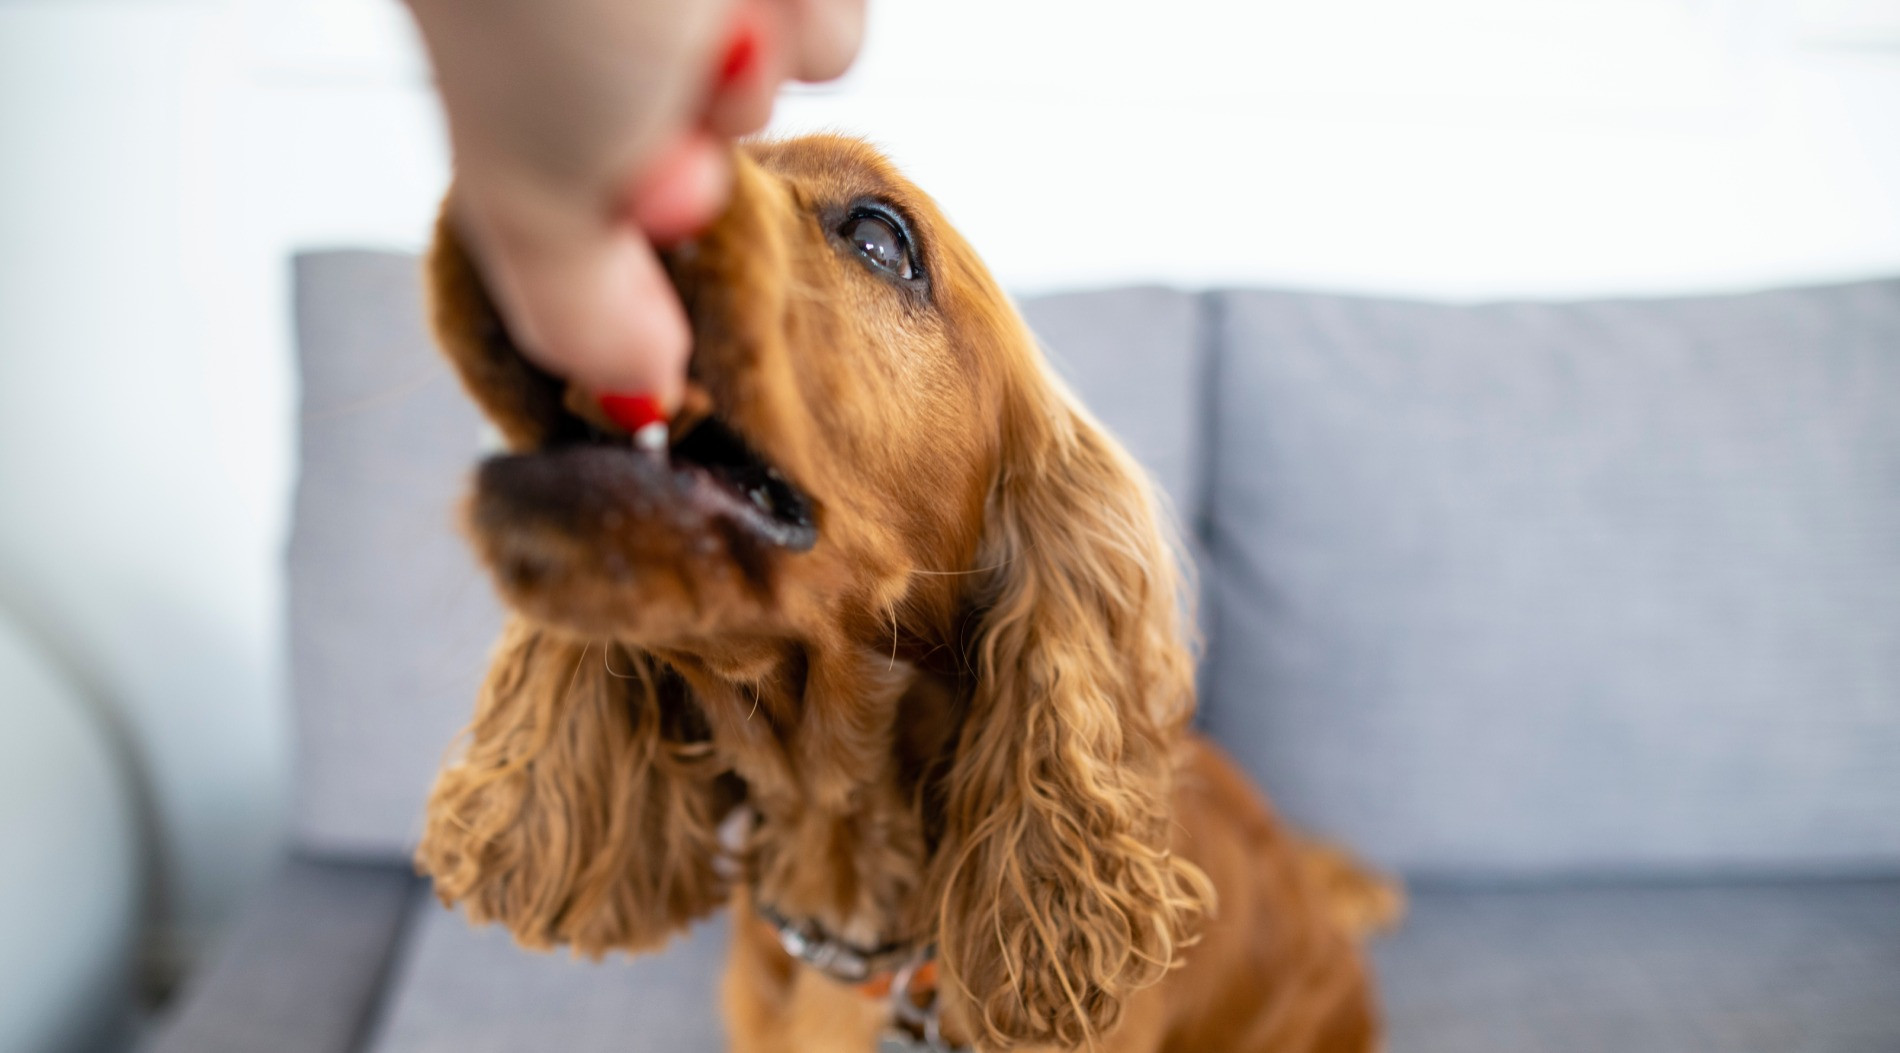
x: 304, y: 967
x: 1138, y: 359
x: 1811, y: 967
x: 391, y: 622
x: 459, y: 989
x: 1598, y: 587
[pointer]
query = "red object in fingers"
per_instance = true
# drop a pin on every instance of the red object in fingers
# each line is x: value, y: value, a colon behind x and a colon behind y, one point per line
x: 632, y: 412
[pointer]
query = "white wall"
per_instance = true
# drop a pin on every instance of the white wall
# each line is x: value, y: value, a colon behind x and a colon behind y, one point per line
x: 161, y: 157
x: 1446, y: 148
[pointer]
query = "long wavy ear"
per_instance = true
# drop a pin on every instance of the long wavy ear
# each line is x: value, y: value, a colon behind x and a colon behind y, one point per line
x: 584, y: 809
x: 1059, y: 894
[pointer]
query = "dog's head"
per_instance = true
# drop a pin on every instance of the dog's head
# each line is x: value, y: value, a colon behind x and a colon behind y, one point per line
x: 889, y: 586
x: 842, y: 430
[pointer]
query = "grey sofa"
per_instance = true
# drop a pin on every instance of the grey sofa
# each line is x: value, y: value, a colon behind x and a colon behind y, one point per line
x: 1586, y: 618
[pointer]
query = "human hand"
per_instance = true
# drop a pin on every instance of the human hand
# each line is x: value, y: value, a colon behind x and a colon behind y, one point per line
x: 586, y: 132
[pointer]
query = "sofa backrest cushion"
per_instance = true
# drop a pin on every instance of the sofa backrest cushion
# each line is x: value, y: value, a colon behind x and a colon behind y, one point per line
x: 1522, y: 590
x: 1494, y: 591
x: 391, y: 622
x: 1137, y: 358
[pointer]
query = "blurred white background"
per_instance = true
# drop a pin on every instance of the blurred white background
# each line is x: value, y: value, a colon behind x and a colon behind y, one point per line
x: 160, y: 159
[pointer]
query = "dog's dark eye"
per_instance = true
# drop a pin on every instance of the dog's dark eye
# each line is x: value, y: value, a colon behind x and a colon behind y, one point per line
x: 880, y: 243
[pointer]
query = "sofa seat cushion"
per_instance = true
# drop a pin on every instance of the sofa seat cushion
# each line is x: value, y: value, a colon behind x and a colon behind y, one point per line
x: 1659, y: 969
x: 1745, y: 968
x: 305, y: 967
x: 460, y: 989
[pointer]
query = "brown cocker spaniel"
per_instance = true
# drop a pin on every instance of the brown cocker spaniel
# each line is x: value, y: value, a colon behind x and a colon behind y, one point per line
x: 887, y: 653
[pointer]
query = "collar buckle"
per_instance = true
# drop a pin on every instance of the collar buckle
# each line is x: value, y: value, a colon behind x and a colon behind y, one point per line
x: 916, y: 1028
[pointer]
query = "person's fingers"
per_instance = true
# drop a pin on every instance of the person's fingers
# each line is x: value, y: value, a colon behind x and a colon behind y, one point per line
x: 824, y: 36
x: 594, y: 307
x: 581, y: 141
x: 683, y: 189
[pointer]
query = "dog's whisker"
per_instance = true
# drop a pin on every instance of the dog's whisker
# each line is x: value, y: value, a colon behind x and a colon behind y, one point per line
x: 579, y: 663
x: 607, y: 662
x: 893, y: 665
x: 973, y: 570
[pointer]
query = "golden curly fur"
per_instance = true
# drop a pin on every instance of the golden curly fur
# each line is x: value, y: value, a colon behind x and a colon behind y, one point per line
x: 959, y: 718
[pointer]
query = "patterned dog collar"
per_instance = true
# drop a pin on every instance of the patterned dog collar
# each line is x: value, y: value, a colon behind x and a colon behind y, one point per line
x: 905, y: 975
x: 843, y: 961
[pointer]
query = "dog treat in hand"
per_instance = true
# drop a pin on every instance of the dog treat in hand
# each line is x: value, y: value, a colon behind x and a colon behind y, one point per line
x: 641, y: 417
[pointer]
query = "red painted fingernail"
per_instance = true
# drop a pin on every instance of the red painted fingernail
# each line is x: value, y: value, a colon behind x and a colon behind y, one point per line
x: 641, y: 416
x: 742, y: 53
x: 632, y: 412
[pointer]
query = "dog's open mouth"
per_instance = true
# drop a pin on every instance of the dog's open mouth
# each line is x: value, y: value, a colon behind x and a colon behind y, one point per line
x: 709, y: 486
x: 742, y: 484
